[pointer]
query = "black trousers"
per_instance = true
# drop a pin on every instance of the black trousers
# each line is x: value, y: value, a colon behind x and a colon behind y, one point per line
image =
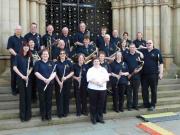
x: 24, y: 100
x: 118, y: 96
x: 96, y: 100
x: 152, y: 82
x: 45, y: 100
x: 13, y: 77
x: 62, y: 99
x: 135, y: 89
x: 81, y: 97
x: 34, y: 88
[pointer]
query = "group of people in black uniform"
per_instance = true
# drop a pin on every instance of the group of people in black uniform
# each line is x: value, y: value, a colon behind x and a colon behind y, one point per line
x: 109, y: 65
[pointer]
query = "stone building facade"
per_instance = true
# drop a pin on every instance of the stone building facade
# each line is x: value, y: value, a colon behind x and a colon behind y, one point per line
x: 158, y: 20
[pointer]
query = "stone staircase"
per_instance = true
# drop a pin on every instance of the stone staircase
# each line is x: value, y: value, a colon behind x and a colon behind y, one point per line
x: 168, y: 100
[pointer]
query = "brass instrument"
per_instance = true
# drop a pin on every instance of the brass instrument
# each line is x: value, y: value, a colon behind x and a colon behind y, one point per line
x: 111, y: 58
x: 137, y: 68
x: 89, y: 57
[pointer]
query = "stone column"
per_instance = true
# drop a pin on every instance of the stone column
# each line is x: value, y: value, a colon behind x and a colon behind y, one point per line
x: 42, y: 17
x: 139, y: 14
x: 148, y: 21
x: 156, y: 25
x: 115, y: 16
x: 37, y: 14
x: 133, y: 21
x: 5, y: 24
x: 166, y: 47
x: 121, y: 18
x: 127, y: 19
x: 176, y: 33
x: 33, y: 10
x: 23, y: 15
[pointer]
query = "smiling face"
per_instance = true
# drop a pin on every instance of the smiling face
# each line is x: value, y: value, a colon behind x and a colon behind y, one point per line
x: 96, y: 62
x: 118, y: 56
x: 18, y: 30
x: 45, y: 55
x: 101, y: 57
x: 82, y: 27
x: 81, y: 59
x: 62, y: 55
x: 149, y: 44
x: 31, y: 44
x: 26, y: 48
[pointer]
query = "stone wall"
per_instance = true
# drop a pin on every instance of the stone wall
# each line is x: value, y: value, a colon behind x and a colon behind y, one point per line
x: 158, y: 20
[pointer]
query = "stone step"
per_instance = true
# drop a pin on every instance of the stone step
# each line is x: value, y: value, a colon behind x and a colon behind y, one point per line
x: 36, y: 121
x: 5, y: 81
x: 161, y: 93
x: 8, y: 105
x: 8, y: 111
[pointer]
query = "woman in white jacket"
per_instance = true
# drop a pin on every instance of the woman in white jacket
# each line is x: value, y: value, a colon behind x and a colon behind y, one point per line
x: 97, y: 77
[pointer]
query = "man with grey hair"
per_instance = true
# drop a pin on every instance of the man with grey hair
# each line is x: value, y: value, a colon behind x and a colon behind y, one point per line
x: 14, y: 45
x: 151, y: 72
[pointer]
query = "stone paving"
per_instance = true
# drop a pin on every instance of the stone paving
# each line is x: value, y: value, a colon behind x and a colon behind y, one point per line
x: 123, y: 126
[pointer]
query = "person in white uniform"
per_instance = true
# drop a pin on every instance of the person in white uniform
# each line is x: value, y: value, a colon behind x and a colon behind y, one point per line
x: 97, y: 77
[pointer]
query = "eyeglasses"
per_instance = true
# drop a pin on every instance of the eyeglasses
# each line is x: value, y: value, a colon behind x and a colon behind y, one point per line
x: 62, y: 53
x: 148, y: 43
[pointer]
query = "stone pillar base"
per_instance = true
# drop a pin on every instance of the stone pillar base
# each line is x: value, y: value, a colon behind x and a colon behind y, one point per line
x: 170, y: 68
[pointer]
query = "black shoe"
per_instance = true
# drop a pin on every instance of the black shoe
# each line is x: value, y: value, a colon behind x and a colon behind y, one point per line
x: 78, y: 114
x: 121, y: 110
x: 43, y: 118
x: 101, y: 121
x: 48, y: 118
x: 85, y: 113
x: 129, y: 109
x: 136, y: 108
x: 14, y: 93
x: 93, y: 121
x: 65, y: 115
x: 152, y: 108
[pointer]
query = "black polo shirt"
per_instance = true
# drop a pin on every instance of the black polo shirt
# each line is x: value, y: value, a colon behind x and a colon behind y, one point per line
x: 132, y: 61
x: 83, y: 69
x: 60, y: 68
x: 109, y: 49
x: 152, y: 60
x: 116, y: 68
x: 100, y: 42
x: 68, y: 41
x: 86, y: 50
x: 106, y: 66
x: 21, y: 62
x: 45, y: 69
x: 36, y: 38
x: 139, y: 42
x: 47, y: 38
x: 55, y: 51
x: 115, y: 40
x: 15, y: 43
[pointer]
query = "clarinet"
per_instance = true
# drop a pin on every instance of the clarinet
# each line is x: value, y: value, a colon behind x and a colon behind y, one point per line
x: 50, y: 75
x: 80, y: 73
x: 27, y: 72
x: 62, y: 77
